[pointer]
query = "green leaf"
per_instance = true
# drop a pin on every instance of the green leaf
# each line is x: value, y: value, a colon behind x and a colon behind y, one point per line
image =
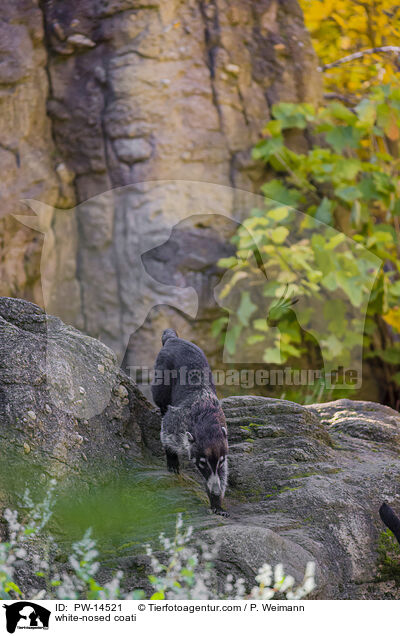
x: 342, y: 137
x: 396, y: 378
x: 351, y: 286
x: 10, y: 585
x: 383, y: 182
x: 293, y: 115
x: 391, y: 355
x: 253, y: 339
x: 290, y: 350
x: 341, y: 112
x: 227, y: 263
x: 231, y: 338
x: 278, y: 214
x: 218, y: 326
x: 272, y: 355
x: 138, y: 595
x: 348, y: 193
x: 246, y: 308
x: 93, y: 586
x: 368, y: 189
x: 335, y: 240
x: 333, y: 345
x: 356, y: 214
x: 274, y: 127
x: 187, y: 573
x: 260, y: 324
x: 324, y: 211
x: 267, y: 148
x: 366, y: 111
x: 395, y: 288
x: 276, y: 191
x: 279, y: 234
x: 157, y: 596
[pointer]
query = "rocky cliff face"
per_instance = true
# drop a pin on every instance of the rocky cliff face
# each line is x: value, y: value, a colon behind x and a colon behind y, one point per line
x: 27, y: 153
x: 122, y: 92
x: 306, y: 482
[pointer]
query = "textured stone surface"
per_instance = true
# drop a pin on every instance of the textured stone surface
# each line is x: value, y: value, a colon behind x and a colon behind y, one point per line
x: 28, y: 158
x: 306, y: 484
x: 63, y: 400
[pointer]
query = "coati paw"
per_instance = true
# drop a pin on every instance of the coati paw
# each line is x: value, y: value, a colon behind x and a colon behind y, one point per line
x: 173, y: 469
x: 172, y: 462
x: 220, y: 512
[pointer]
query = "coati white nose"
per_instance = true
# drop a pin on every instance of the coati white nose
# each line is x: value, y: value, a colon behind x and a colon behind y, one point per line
x: 214, y: 484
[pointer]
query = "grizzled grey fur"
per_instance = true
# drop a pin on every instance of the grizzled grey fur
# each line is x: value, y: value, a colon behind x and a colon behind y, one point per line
x: 193, y: 422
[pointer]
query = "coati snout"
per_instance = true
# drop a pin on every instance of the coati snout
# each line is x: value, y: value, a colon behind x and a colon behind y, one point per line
x: 193, y: 421
x: 211, y: 462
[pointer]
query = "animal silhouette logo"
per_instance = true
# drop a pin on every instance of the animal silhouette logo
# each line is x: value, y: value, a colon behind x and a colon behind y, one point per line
x: 26, y: 615
x: 170, y: 238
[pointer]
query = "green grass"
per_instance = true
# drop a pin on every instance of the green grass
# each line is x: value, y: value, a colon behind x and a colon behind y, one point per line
x: 124, y: 510
x: 388, y: 558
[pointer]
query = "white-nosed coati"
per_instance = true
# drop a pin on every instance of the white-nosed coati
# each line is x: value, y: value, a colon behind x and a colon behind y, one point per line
x: 192, y: 418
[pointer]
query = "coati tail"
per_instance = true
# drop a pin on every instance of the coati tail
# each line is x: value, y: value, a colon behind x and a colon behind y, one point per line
x: 390, y: 519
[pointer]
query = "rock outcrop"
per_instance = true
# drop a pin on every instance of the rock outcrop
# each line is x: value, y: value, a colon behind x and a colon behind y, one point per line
x: 66, y: 409
x: 30, y: 165
x: 306, y: 485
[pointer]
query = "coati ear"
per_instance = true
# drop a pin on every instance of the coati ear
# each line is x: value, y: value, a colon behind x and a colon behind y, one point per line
x: 190, y: 437
x: 225, y: 432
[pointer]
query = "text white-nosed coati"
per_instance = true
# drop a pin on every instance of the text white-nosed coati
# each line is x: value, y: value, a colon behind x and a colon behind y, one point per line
x: 192, y: 418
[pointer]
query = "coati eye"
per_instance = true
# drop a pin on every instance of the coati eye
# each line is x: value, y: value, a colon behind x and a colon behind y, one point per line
x: 202, y: 461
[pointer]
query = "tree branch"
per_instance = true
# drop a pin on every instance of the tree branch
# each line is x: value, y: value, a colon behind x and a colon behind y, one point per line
x: 344, y: 98
x: 359, y: 54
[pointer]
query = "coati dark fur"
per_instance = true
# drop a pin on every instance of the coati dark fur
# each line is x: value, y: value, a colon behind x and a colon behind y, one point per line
x: 193, y: 421
x: 390, y: 519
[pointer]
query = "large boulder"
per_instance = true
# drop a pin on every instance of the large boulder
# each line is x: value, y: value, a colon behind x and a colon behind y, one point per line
x: 65, y: 406
x: 306, y: 484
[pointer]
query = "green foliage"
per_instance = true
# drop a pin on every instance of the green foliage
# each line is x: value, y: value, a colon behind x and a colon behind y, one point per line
x: 388, y: 557
x: 348, y: 186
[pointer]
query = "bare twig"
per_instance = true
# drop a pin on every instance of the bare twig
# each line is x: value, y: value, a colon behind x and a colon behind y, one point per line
x: 342, y: 98
x: 356, y: 56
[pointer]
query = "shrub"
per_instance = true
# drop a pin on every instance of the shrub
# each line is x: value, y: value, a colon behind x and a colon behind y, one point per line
x: 330, y: 220
x: 184, y: 569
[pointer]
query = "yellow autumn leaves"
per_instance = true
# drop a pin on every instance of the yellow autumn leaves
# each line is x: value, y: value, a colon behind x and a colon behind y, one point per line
x: 342, y: 27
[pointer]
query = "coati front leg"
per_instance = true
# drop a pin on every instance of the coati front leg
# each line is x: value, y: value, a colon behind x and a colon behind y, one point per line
x: 172, y: 461
x: 216, y: 500
x: 216, y: 504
